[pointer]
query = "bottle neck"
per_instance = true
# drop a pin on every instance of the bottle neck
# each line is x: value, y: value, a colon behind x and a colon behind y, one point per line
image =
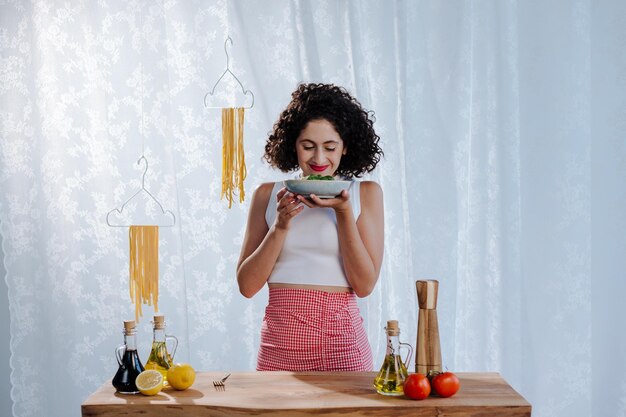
x: 130, y: 340
x: 159, y: 335
x: 393, y: 344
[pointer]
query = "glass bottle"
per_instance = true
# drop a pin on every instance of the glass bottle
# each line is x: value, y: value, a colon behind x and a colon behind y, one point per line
x: 393, y: 373
x: 160, y: 358
x: 129, y: 363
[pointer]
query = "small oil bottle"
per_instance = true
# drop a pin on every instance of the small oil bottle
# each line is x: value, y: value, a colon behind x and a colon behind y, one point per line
x: 160, y: 359
x: 129, y: 364
x: 393, y: 373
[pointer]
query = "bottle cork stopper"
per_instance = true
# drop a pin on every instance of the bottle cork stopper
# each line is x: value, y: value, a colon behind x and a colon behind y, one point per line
x: 392, y: 328
x: 159, y: 321
x: 129, y: 327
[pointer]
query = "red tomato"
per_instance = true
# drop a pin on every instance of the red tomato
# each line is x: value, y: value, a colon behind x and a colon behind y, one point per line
x: 446, y: 384
x: 417, y: 387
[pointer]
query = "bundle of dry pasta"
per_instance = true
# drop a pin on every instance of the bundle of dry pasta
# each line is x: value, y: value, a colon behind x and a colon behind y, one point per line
x: 233, y: 160
x: 144, y: 267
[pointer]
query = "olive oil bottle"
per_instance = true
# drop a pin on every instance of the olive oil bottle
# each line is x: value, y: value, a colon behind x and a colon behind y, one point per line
x: 393, y: 373
x: 160, y: 359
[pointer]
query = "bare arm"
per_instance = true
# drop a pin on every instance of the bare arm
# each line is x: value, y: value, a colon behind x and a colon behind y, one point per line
x: 361, y: 243
x: 262, y: 244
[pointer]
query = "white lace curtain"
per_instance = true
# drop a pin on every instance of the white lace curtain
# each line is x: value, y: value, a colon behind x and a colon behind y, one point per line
x: 504, y: 177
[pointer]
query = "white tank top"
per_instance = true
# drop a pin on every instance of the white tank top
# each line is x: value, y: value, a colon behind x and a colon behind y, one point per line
x: 310, y: 253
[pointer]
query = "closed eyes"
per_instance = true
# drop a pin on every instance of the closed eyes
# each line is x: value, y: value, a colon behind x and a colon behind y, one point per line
x: 308, y: 148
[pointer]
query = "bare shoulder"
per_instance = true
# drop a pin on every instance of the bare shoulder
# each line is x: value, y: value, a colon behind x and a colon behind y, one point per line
x: 371, y: 190
x: 261, y: 197
x: 372, y: 207
x: 263, y: 192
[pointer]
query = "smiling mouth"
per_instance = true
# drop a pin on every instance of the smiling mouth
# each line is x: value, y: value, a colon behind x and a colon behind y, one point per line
x: 318, y: 168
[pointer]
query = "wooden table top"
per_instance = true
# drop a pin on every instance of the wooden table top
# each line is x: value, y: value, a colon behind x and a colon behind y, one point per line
x: 308, y: 393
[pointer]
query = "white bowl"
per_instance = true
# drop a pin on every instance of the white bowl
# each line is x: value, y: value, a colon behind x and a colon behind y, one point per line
x: 321, y: 188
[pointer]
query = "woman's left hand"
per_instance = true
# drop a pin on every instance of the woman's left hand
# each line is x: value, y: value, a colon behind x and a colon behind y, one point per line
x: 339, y: 203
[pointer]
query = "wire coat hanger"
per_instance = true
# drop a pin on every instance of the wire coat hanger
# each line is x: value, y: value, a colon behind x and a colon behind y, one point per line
x: 143, y: 188
x: 227, y: 71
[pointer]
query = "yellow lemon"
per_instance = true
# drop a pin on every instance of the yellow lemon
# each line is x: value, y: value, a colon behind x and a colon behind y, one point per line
x: 149, y: 382
x: 181, y: 376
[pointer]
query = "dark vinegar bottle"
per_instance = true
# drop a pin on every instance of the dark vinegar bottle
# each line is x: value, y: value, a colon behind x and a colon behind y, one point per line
x: 129, y: 363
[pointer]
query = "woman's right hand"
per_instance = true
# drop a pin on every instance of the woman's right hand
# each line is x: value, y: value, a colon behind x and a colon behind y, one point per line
x: 288, y: 206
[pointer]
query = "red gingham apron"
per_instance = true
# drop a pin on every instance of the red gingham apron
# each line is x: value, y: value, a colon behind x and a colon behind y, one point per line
x: 310, y: 330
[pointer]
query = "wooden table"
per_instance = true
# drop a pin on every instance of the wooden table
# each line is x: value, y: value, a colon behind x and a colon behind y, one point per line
x: 308, y: 393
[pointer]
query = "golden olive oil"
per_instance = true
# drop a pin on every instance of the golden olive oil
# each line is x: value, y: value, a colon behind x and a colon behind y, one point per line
x: 390, y: 378
x: 159, y: 359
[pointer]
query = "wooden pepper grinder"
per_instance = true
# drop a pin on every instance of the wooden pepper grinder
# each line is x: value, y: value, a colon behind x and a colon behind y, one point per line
x: 428, y: 356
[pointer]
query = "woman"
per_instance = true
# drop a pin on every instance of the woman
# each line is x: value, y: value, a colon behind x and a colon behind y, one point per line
x: 316, y: 254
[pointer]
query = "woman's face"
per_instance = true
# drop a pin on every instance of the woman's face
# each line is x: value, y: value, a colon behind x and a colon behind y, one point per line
x: 319, y: 148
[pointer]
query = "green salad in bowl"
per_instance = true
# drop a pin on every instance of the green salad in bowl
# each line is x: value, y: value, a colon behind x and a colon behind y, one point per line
x: 320, y: 177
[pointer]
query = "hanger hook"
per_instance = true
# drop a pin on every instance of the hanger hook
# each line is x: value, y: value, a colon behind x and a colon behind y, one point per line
x: 145, y: 171
x: 226, y: 51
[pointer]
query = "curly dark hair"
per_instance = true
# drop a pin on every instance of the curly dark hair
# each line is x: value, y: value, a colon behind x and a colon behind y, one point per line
x: 354, y: 125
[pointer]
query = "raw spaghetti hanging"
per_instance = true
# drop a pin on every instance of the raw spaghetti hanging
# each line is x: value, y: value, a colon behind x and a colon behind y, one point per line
x: 233, y: 156
x: 143, y: 284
